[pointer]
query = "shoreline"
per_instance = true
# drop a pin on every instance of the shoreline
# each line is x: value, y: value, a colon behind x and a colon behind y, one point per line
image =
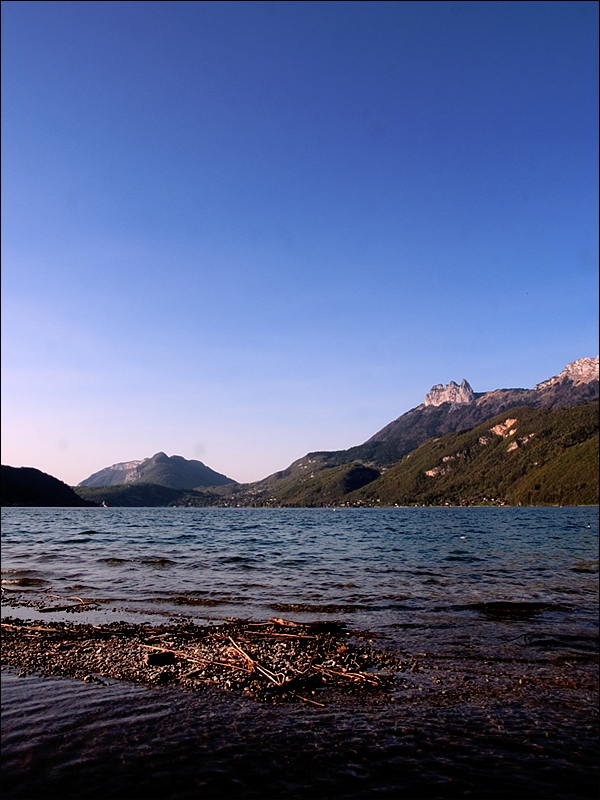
x: 276, y: 661
x: 284, y: 661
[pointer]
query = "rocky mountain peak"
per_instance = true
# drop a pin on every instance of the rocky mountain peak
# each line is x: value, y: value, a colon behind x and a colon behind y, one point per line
x: 126, y: 465
x: 584, y: 370
x: 175, y: 472
x: 451, y: 393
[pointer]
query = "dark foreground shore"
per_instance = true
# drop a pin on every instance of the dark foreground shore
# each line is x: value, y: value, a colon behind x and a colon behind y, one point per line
x: 278, y: 709
x: 274, y: 661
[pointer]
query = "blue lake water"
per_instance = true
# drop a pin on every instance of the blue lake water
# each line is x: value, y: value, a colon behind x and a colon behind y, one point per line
x: 427, y: 580
x: 368, y: 567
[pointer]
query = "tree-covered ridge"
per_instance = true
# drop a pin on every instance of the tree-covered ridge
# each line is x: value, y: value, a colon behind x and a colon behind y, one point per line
x: 543, y: 456
x: 27, y: 486
x: 145, y: 494
x: 523, y: 457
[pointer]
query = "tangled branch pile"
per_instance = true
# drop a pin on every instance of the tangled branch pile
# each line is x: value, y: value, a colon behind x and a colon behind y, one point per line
x: 275, y: 660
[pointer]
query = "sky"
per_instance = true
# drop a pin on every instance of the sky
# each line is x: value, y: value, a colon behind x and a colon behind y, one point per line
x: 242, y: 231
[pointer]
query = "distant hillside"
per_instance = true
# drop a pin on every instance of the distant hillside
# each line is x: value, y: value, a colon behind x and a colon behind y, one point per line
x: 175, y: 472
x: 441, y: 413
x: 395, y: 466
x: 145, y: 494
x: 524, y: 457
x: 453, y: 408
x: 26, y: 486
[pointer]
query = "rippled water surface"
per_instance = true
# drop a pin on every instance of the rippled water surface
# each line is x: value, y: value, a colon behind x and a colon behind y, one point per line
x: 375, y: 565
x: 513, y: 584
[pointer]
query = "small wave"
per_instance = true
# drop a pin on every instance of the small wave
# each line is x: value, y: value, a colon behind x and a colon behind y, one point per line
x: 466, y: 559
x: 19, y: 572
x: 586, y: 644
x: 585, y: 566
x: 22, y: 577
x: 328, y: 608
x: 198, y: 601
x: 513, y: 610
x: 75, y: 541
x: 158, y: 562
x: 236, y: 560
x: 114, y: 561
x: 23, y: 581
x: 186, y: 600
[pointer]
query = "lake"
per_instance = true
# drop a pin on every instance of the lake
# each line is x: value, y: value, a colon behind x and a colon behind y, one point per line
x: 511, y: 592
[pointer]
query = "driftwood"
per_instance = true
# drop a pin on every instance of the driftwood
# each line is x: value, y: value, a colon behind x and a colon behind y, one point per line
x: 79, y: 605
x: 186, y: 657
x: 277, y: 679
x: 61, y: 597
x: 262, y: 659
x: 31, y: 628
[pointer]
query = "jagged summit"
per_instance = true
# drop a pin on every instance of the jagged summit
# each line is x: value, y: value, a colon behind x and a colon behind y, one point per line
x: 325, y: 477
x: 584, y: 370
x: 451, y: 393
x: 579, y: 372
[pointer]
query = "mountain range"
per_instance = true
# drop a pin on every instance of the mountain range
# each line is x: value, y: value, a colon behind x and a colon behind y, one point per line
x: 527, y: 456
x: 366, y: 473
x: 445, y: 409
x: 458, y: 447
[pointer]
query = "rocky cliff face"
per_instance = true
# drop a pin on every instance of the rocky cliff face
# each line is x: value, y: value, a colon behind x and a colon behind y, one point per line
x: 448, y: 409
x: 577, y: 373
x: 584, y: 370
x: 126, y: 465
x: 451, y: 393
x: 124, y: 472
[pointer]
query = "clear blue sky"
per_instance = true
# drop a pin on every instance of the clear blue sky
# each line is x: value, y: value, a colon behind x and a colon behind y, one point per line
x: 241, y: 231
